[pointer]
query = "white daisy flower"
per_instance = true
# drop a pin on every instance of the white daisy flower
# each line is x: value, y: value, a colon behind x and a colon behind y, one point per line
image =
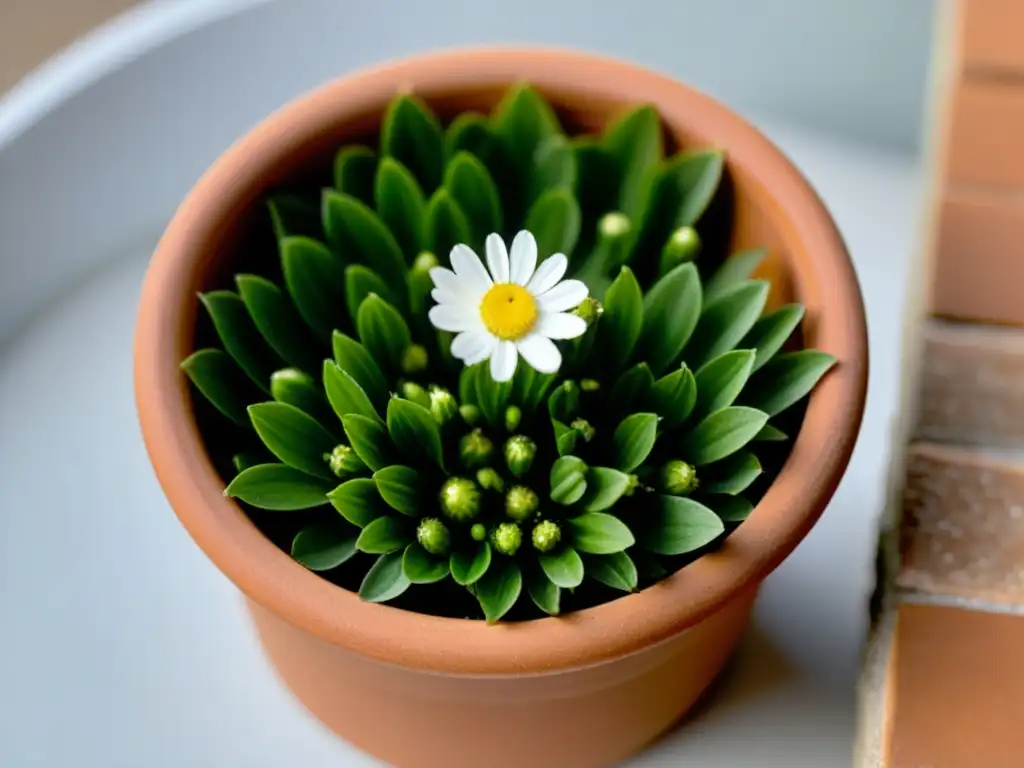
x: 516, y: 309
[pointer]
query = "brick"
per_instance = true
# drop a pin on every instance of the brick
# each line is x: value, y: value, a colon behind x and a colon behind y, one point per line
x: 987, y: 122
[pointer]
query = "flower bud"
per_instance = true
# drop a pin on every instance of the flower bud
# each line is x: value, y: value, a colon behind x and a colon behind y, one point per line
x: 507, y: 538
x: 632, y: 483
x: 343, y: 461
x: 678, y: 478
x: 442, y: 405
x: 582, y: 426
x: 415, y: 393
x: 420, y: 284
x: 589, y: 385
x: 478, y: 532
x: 433, y: 536
x: 520, y: 502
x: 470, y: 414
x: 424, y: 262
x: 682, y: 246
x: 414, y: 359
x: 489, y: 479
x: 589, y: 309
x: 460, y: 499
x: 476, y: 449
x: 519, y: 453
x: 513, y: 415
x: 614, y: 239
x: 546, y: 535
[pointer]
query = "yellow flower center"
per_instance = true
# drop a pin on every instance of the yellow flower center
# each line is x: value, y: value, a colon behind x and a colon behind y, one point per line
x: 508, y: 311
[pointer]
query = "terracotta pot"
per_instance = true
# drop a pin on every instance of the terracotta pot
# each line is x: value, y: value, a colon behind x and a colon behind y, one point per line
x: 587, y: 689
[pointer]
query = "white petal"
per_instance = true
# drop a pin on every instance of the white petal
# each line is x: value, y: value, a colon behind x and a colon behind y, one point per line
x: 471, y: 272
x: 540, y: 352
x: 550, y: 271
x: 472, y: 344
x: 448, y: 317
x: 523, y: 257
x: 492, y: 344
x: 444, y: 296
x: 561, y: 325
x: 497, y: 257
x: 565, y: 295
x: 503, y: 361
x: 445, y: 278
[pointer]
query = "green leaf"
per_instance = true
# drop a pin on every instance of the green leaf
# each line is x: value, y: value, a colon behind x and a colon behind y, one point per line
x: 786, y: 379
x: 293, y: 436
x: 721, y: 434
x: 361, y: 283
x: 564, y: 569
x: 241, y: 339
x: 358, y: 501
x: 605, y: 487
x: 635, y: 143
x: 734, y: 270
x: 565, y: 437
x: 222, y: 382
x: 315, y: 278
x: 354, y: 231
x: 597, y: 533
x: 412, y: 134
x: 676, y: 525
x: 597, y: 184
x: 620, y: 325
x: 383, y: 332
x: 415, y: 431
x: 720, y: 381
x: 469, y: 567
x: 292, y: 214
x: 473, y: 189
x: 732, y: 509
x: 770, y: 434
x: 470, y: 132
x: 279, y: 323
x: 298, y: 388
x: 634, y: 386
x: 278, y: 487
x: 354, y: 171
x: 421, y: 567
x: 675, y: 395
x: 492, y: 396
x: 725, y: 321
x: 353, y: 359
x: 383, y: 535
x: 401, y: 206
x: 554, y: 166
x: 616, y: 570
x: 385, y: 580
x: 323, y: 547
x: 344, y: 394
x: 568, y: 480
x: 522, y: 122
x: 447, y: 224
x: 402, y: 488
x: 242, y: 461
x: 564, y: 401
x: 671, y: 310
x: 771, y: 331
x: 369, y: 439
x: 734, y: 475
x: 544, y: 594
x: 648, y: 564
x: 633, y: 440
x: 498, y: 589
x: 554, y: 220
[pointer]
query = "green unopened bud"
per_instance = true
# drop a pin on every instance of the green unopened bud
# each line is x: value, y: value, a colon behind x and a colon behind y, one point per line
x: 478, y: 532
x: 433, y: 536
x: 420, y: 283
x: 520, y: 502
x: 460, y: 499
x: 424, y: 262
x: 678, y: 478
x: 681, y: 247
x: 507, y: 538
x: 546, y: 535
x: 590, y: 385
x: 589, y: 309
x: 476, y: 449
x: 582, y: 426
x: 414, y: 392
x: 632, y: 483
x: 614, y: 224
x: 519, y: 453
x: 513, y: 415
x: 442, y: 405
x: 489, y: 479
x: 470, y: 414
x: 414, y: 359
x: 344, y: 462
x: 614, y: 240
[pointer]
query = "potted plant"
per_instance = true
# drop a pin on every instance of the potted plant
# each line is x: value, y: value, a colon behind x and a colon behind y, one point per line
x: 498, y: 409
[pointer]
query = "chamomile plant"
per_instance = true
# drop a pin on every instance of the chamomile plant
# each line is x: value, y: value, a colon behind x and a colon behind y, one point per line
x: 493, y: 372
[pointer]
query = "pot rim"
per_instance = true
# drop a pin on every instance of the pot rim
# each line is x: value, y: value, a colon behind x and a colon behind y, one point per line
x: 826, y: 282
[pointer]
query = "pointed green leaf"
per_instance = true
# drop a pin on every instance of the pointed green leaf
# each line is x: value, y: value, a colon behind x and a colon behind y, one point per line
x: 734, y: 270
x: 492, y: 396
x: 383, y: 535
x: 354, y: 231
x: 564, y: 401
x: 241, y: 339
x: 412, y: 134
x: 294, y: 437
x: 633, y: 440
x: 786, y: 379
x: 352, y: 357
x: 544, y: 594
x: 721, y: 434
x: 473, y: 189
x: 725, y: 321
x: 770, y: 434
x: 421, y: 567
x: 732, y: 476
x: 415, y: 431
x: 323, y: 547
x: 360, y: 283
x: 468, y: 566
x: 597, y: 185
x: 632, y: 388
x: 675, y: 525
x: 720, y: 381
x: 605, y: 486
x: 298, y: 388
x: 771, y: 331
x: 468, y: 390
x: 498, y: 589
x: 564, y: 569
x: 554, y: 220
x: 522, y: 122
x: 278, y: 321
x: 675, y: 395
x: 222, y: 382
x: 385, y: 580
x: 623, y: 318
x: 470, y: 132
x: 598, y: 533
x: 369, y: 439
x: 554, y: 166
x: 565, y: 437
x: 278, y: 487
x: 671, y: 310
x: 402, y: 488
x: 568, y: 480
x: 616, y: 570
x: 401, y: 206
x: 315, y: 278
x: 344, y: 394
x: 648, y: 565
x: 354, y: 170
x: 358, y: 501
x: 242, y: 461
x: 634, y: 141
x: 383, y: 332
x: 731, y: 509
x: 447, y: 224
x: 292, y: 214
